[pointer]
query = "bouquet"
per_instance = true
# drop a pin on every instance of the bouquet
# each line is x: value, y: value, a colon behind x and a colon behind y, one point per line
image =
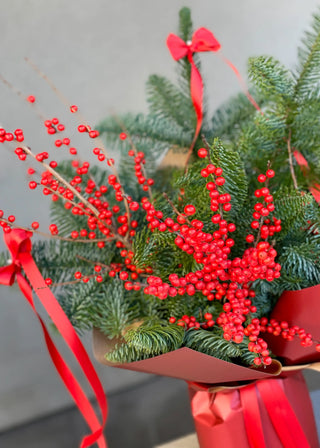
x: 206, y: 269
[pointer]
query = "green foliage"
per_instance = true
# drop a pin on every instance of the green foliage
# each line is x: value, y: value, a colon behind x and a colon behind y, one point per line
x: 234, y: 173
x: 213, y: 344
x: 302, y: 261
x: 167, y: 101
x: 232, y: 117
x: 307, y: 74
x: 107, y: 307
x: 271, y: 78
x: 4, y: 257
x: 59, y: 260
x: 147, y: 341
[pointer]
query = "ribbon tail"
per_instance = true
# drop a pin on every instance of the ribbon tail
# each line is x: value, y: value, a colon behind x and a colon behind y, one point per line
x: 242, y: 83
x: 304, y: 166
x: 282, y: 415
x: 252, y: 416
x: 71, y: 338
x: 196, y: 90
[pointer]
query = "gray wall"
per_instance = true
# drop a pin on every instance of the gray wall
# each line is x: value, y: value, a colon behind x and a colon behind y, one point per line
x: 100, y: 54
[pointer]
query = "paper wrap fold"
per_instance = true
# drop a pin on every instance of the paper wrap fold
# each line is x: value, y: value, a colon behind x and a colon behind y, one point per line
x: 187, y: 364
x: 300, y: 308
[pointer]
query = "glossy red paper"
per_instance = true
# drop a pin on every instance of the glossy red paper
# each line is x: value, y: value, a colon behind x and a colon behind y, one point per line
x: 188, y: 365
x: 300, y: 308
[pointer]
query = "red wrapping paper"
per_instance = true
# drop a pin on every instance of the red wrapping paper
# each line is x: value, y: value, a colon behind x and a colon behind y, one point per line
x: 229, y: 415
x: 300, y: 308
x: 220, y: 417
x: 187, y: 364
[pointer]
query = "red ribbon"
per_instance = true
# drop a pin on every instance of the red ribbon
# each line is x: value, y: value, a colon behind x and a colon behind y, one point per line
x: 281, y: 414
x: 302, y: 162
x: 202, y: 40
x: 19, y: 245
x: 212, y: 411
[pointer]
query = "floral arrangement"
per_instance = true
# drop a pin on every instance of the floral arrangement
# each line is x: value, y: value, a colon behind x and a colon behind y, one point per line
x: 158, y: 257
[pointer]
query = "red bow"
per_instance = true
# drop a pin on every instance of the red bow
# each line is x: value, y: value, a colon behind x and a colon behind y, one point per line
x: 19, y: 244
x: 202, y: 40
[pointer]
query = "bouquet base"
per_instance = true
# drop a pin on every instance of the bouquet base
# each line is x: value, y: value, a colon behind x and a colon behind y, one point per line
x: 251, y: 417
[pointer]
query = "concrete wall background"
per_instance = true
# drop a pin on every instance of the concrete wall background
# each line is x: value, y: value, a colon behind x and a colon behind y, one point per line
x: 100, y: 53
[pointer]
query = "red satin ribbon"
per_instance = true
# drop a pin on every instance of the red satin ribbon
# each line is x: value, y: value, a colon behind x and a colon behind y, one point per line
x: 281, y: 414
x: 268, y: 394
x: 19, y: 245
x: 251, y: 416
x: 202, y: 40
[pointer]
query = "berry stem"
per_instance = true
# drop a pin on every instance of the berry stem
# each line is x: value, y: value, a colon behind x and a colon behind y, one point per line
x: 294, y: 179
x: 79, y: 116
x: 174, y: 207
x: 63, y: 181
x: 134, y: 148
x: 56, y: 237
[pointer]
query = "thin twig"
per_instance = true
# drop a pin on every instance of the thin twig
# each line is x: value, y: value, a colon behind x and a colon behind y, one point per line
x: 174, y: 207
x: 291, y: 162
x: 22, y: 96
x: 63, y: 181
x: 190, y: 151
x: 134, y: 148
x: 56, y: 237
x: 81, y: 119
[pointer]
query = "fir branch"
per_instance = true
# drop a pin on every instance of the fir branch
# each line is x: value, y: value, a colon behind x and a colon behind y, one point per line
x: 229, y: 119
x: 233, y: 171
x: 302, y: 260
x: 168, y: 102
x: 211, y: 344
x: 156, y: 338
x: 307, y: 73
x: 271, y: 78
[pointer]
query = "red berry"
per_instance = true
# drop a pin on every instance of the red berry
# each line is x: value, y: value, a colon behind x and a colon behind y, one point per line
x: 270, y: 173
x: 189, y: 209
x: 35, y: 225
x: 31, y: 99
x: 261, y: 178
x: 77, y: 275
x: 33, y: 185
x: 123, y: 275
x: 82, y: 128
x: 73, y: 109
x: 123, y: 136
x: 172, y: 320
x: 134, y: 206
x: 220, y: 181
x: 202, y: 153
x: 48, y: 281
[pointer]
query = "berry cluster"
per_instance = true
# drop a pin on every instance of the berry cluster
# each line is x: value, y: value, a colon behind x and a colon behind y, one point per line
x: 109, y: 213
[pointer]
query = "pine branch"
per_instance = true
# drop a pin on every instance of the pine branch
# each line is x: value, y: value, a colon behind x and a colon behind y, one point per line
x: 168, y: 102
x: 211, y: 344
x: 272, y: 79
x: 307, y: 73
